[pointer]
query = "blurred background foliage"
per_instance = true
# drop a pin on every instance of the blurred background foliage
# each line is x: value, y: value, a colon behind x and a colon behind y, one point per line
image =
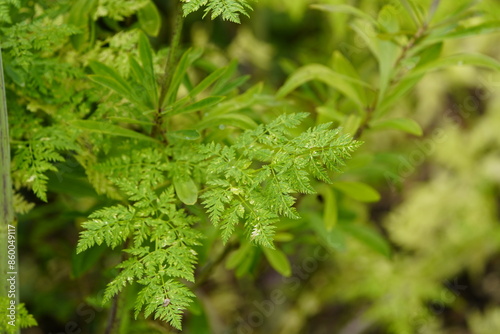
x: 423, y: 257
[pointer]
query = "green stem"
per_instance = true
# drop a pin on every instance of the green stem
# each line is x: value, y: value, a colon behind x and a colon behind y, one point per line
x: 170, y: 65
x: 8, y: 223
x: 211, y: 265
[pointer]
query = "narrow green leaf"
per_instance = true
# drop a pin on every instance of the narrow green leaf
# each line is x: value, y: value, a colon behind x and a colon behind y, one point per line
x: 186, y: 190
x: 110, y: 129
x: 149, y: 79
x: 105, y: 71
x: 184, y: 134
x: 343, y: 66
x: 230, y: 86
x: 149, y: 19
x: 330, y: 214
x: 368, y: 35
x: 404, y: 124
x: 209, y: 80
x: 400, y: 90
x: 80, y: 17
x: 351, y: 124
x: 333, y: 239
x: 237, y: 257
x: 203, y: 104
x: 248, y: 99
x: 369, y: 237
x: 237, y: 120
x: 187, y: 59
x: 84, y: 261
x: 342, y: 83
x: 357, y: 190
x: 278, y: 260
x: 388, y: 50
x: 116, y: 86
x: 225, y: 79
x: 457, y: 60
x: 346, y: 9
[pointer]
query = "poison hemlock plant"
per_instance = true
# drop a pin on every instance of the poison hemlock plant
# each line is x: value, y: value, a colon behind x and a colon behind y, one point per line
x: 246, y: 180
x: 169, y: 141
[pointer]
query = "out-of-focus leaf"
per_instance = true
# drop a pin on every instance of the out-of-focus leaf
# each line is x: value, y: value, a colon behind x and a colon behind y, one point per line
x: 343, y: 66
x: 250, y: 98
x: 203, y: 104
x: 209, y: 80
x: 404, y: 124
x: 82, y: 262
x: 369, y: 237
x: 358, y: 191
x: 149, y: 79
x: 278, y: 261
x: 187, y: 59
x: 330, y: 211
x: 236, y: 257
x: 333, y: 239
x: 342, y: 83
x: 351, y: 124
x: 184, y: 134
x: 347, y: 10
x: 80, y: 17
x: 149, y: 19
x: 457, y: 60
x: 237, y: 120
x: 110, y: 129
x: 388, y: 50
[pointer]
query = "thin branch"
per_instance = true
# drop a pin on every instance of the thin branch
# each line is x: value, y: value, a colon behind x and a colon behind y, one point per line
x: 211, y: 265
x: 170, y: 65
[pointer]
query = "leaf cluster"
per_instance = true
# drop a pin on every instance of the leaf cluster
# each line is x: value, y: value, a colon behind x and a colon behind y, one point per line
x: 229, y: 10
x: 254, y: 179
x: 156, y: 235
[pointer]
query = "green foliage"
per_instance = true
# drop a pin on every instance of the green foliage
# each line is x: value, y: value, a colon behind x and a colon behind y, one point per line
x: 169, y: 162
x: 23, y: 319
x: 258, y: 196
x: 35, y: 157
x: 160, y: 250
x: 230, y: 10
x: 5, y: 8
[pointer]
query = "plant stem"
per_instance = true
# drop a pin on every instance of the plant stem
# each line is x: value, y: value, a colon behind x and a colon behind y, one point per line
x: 211, y: 265
x: 170, y: 65
x: 8, y: 223
x: 113, y: 321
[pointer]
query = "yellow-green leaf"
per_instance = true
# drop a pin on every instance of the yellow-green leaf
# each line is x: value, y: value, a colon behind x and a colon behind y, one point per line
x: 236, y: 257
x: 278, y: 260
x: 330, y: 212
x: 186, y: 190
x: 149, y: 19
x: 404, y: 124
x: 110, y: 129
x: 369, y: 237
x: 357, y: 190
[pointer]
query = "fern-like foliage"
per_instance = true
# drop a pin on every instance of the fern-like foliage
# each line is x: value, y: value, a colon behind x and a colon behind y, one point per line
x: 253, y: 180
x: 161, y: 252
x: 23, y: 319
x: 5, y: 6
x: 36, y: 156
x: 25, y: 39
x: 229, y: 10
x: 118, y: 9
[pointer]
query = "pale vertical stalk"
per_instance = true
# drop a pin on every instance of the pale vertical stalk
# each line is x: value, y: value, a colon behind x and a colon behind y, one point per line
x: 8, y: 223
